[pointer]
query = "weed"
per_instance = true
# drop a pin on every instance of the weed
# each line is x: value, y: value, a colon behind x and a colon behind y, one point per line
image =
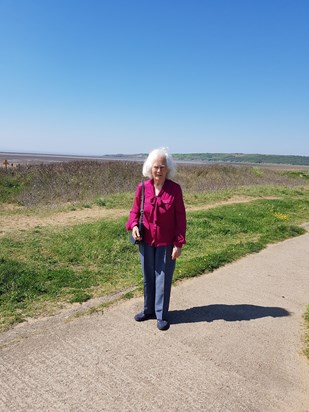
x: 79, y: 297
x: 129, y: 295
x: 296, y: 174
x: 100, y: 202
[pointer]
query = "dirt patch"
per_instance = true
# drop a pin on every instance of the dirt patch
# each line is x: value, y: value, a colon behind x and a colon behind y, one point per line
x: 9, y: 207
x: 232, y: 200
x: 21, y: 223
x: 13, y: 223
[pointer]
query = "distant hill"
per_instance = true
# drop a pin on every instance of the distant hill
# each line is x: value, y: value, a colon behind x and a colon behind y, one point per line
x: 243, y: 158
x: 26, y: 158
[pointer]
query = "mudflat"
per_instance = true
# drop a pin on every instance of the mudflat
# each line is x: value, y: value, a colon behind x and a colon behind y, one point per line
x: 15, y: 158
x: 235, y: 344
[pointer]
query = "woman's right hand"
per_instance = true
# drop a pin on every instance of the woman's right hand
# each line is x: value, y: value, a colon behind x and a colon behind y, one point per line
x: 135, y: 233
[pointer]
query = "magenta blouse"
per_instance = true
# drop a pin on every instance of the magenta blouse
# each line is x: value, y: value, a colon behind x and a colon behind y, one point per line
x: 164, y: 215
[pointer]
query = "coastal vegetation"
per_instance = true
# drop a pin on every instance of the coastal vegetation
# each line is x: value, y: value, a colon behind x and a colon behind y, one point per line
x: 79, y: 181
x: 245, y: 158
x: 232, y: 211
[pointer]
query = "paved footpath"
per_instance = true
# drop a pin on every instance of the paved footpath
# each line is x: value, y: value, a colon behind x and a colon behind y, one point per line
x: 235, y: 344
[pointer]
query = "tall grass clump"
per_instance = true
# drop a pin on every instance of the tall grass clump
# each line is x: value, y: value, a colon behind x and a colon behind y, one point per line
x: 78, y: 181
x: 12, y: 183
x: 210, y: 178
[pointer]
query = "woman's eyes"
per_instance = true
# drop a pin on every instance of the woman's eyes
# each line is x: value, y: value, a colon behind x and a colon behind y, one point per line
x: 158, y: 167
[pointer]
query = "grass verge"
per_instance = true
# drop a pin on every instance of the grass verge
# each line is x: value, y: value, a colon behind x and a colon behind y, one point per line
x: 45, y: 267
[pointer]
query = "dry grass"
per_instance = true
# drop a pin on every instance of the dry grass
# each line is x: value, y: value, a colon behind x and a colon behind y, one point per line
x: 81, y: 181
x: 211, y: 178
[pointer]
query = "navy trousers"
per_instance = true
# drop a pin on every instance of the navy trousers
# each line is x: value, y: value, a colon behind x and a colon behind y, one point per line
x: 158, y: 268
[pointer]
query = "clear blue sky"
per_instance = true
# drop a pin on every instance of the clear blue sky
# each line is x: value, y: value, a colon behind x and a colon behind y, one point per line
x: 126, y: 76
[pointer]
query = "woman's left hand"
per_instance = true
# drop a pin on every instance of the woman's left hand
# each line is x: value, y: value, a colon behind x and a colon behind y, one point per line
x: 176, y: 252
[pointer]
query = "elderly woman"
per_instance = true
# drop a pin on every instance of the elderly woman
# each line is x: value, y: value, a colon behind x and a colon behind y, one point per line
x: 164, y: 223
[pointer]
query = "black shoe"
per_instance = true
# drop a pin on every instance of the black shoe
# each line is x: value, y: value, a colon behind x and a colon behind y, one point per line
x: 163, y: 324
x: 140, y: 317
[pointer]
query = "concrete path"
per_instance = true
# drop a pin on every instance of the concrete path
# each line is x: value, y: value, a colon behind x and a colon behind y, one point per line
x: 235, y: 344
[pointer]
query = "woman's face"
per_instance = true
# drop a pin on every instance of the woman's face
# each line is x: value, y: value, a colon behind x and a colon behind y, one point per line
x: 159, y: 170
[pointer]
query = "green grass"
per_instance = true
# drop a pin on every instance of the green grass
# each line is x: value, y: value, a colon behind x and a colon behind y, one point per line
x: 47, y: 266
x: 296, y: 174
x: 254, y: 191
x: 221, y: 235
x: 241, y: 157
x: 10, y: 187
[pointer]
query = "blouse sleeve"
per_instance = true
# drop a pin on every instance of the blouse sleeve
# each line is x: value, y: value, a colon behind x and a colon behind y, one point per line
x: 135, y: 211
x: 180, y: 238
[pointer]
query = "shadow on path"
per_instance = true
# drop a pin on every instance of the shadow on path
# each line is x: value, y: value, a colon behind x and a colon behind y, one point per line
x: 230, y: 313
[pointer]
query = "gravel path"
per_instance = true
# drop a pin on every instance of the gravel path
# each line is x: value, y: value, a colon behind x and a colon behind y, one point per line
x: 235, y: 344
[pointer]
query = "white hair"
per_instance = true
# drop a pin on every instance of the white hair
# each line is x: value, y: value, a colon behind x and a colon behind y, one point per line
x: 153, y: 156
